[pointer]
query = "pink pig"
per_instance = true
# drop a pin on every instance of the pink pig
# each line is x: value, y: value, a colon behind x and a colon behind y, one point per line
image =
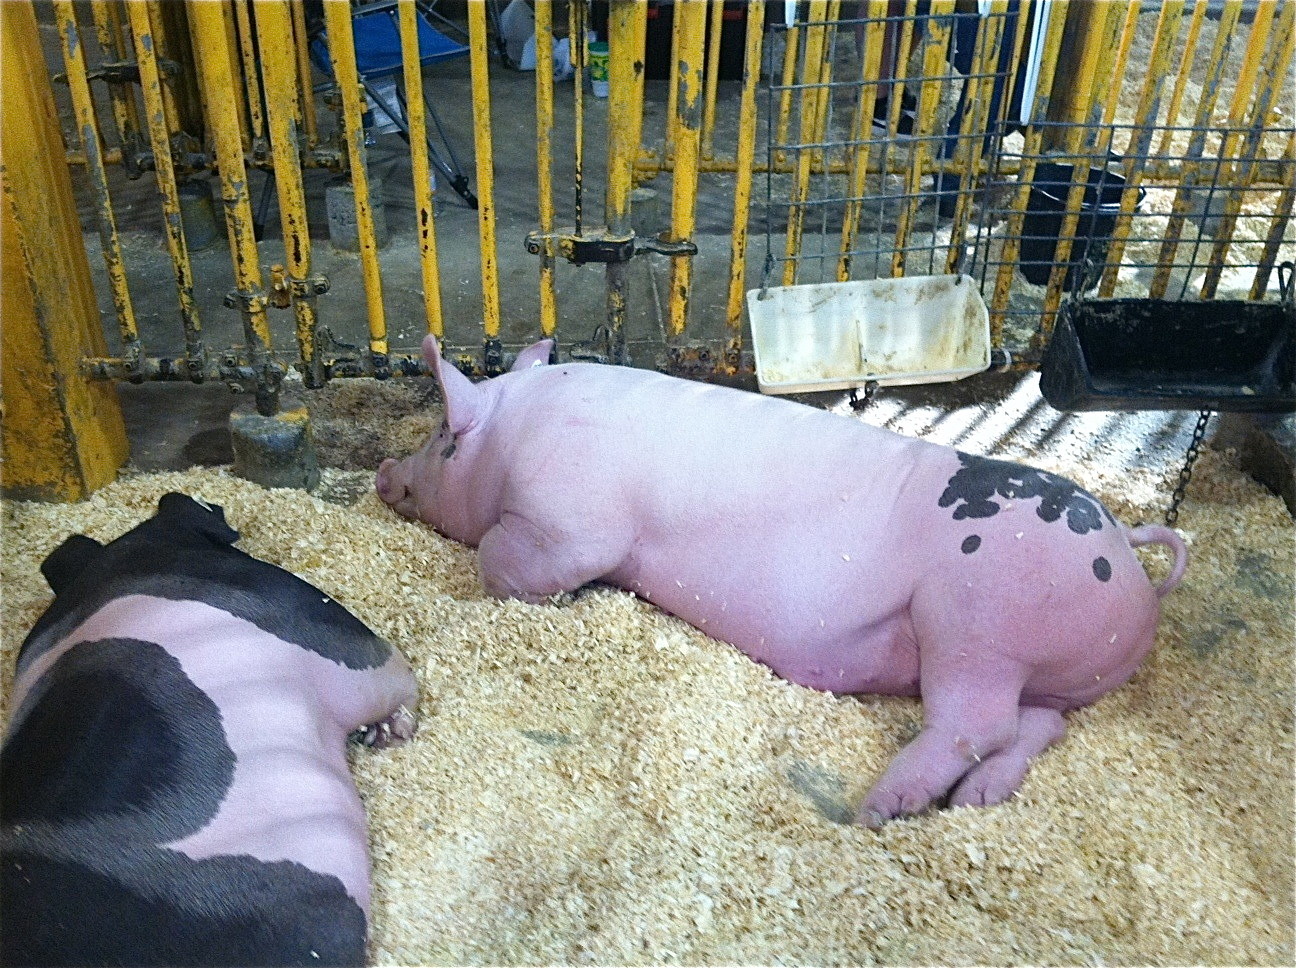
x: 844, y: 557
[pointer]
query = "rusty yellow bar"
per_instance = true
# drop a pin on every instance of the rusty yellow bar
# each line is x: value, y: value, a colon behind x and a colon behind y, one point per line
x: 745, y: 152
x: 672, y: 82
x: 576, y: 33
x: 935, y: 45
x: 1117, y: 67
x: 425, y: 213
x: 1092, y: 45
x: 1030, y: 151
x: 236, y: 69
x: 1181, y: 78
x: 1273, y: 68
x: 1191, y: 164
x: 968, y: 151
x: 301, y: 44
x: 157, y: 32
x: 627, y: 26
x: 688, y: 124
x: 341, y: 45
x: 160, y: 138
x: 1088, y: 145
x: 1277, y: 226
x: 486, y: 167
x: 861, y: 133
x: 824, y: 101
x: 544, y: 160
x: 113, y: 42
x: 279, y: 74
x: 712, y: 77
x: 791, y: 49
x: 810, y: 94
x: 1145, y: 119
x: 88, y: 128
x: 63, y: 435
x: 248, y: 59
x: 209, y: 26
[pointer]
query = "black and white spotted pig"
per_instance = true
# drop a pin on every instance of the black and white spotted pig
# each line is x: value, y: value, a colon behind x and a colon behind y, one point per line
x: 175, y: 788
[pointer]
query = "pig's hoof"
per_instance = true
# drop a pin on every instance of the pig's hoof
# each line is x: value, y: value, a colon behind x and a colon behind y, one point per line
x: 396, y: 729
x: 880, y: 806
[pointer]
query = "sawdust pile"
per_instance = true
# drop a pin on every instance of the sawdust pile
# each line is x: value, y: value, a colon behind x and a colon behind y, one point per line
x: 595, y: 782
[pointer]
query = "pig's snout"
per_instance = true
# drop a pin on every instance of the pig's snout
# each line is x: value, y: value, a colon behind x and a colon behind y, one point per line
x: 389, y: 488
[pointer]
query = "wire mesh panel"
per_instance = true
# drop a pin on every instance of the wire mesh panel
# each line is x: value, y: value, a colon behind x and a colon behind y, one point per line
x: 1143, y: 150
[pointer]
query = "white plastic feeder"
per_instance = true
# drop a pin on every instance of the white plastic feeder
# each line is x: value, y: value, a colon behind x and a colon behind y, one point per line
x: 840, y: 335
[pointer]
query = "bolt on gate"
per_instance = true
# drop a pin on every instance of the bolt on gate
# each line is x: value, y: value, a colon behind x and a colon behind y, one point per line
x: 1054, y: 151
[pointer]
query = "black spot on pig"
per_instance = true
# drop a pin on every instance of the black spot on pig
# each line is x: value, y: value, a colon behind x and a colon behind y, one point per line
x: 1102, y: 569
x: 980, y: 479
x: 448, y: 452
x: 115, y: 737
x: 971, y: 543
x: 227, y: 910
x: 185, y: 553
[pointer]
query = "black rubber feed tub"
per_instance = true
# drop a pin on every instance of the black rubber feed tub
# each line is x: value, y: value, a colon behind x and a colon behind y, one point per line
x: 1149, y: 354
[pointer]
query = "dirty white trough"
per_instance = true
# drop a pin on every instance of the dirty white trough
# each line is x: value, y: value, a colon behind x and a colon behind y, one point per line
x: 840, y: 335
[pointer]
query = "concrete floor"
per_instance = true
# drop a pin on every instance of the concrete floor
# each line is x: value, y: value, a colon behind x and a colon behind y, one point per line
x: 179, y: 425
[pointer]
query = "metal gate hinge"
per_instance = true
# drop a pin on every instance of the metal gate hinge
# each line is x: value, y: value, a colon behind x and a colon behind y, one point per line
x: 602, y: 246
x: 284, y: 288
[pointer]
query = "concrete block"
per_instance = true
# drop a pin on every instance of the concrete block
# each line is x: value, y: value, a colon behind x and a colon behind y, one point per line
x: 274, y: 451
x: 198, y: 215
x: 1266, y: 446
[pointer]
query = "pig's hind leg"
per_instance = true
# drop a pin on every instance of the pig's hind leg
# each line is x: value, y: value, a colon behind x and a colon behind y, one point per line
x: 998, y: 777
x: 971, y: 694
x: 519, y: 558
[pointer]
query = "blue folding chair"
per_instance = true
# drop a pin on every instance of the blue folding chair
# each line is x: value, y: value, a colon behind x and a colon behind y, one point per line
x: 378, y: 56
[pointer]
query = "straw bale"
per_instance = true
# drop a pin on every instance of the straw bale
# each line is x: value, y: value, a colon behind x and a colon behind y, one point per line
x: 596, y: 782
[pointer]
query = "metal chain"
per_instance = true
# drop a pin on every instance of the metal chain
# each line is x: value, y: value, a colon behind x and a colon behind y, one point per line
x: 1185, y: 472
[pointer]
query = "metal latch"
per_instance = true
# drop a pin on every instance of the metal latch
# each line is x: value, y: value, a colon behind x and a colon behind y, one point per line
x: 284, y: 289
x: 602, y: 247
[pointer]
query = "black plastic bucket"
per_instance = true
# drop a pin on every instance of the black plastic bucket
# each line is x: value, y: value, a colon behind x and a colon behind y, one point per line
x: 1042, y: 226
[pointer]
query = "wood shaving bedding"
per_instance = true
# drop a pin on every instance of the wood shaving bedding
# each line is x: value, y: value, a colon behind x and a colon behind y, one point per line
x: 596, y: 782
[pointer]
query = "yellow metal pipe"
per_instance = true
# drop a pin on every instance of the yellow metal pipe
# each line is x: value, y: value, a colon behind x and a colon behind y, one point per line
x: 688, y: 123
x: 935, y: 46
x: 625, y: 103
x: 157, y: 31
x: 160, y: 138
x: 1030, y: 151
x: 242, y: 13
x: 1272, y: 70
x: 746, y: 152
x: 341, y: 45
x: 544, y: 159
x: 824, y: 101
x: 861, y: 132
x: 1278, y: 225
x: 301, y: 44
x: 113, y: 42
x: 210, y: 27
x: 672, y: 81
x: 88, y: 128
x: 791, y: 49
x: 1118, y: 66
x: 1145, y: 120
x: 970, y: 146
x: 1092, y: 46
x: 486, y: 167
x: 425, y: 212
x: 712, y: 77
x: 62, y: 435
x: 1202, y: 123
x: 236, y: 69
x: 1181, y: 78
x: 810, y: 94
x: 279, y: 71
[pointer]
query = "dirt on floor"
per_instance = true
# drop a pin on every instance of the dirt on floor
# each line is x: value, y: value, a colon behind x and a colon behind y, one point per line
x: 594, y: 781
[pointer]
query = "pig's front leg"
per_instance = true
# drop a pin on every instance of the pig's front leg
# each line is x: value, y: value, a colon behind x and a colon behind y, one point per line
x: 519, y: 558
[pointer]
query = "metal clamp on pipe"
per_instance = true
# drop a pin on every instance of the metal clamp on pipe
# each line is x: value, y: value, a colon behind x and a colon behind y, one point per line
x: 284, y: 288
x: 604, y: 247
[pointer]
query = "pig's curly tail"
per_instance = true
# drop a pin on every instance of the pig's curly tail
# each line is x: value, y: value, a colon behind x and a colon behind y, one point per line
x: 1146, y: 534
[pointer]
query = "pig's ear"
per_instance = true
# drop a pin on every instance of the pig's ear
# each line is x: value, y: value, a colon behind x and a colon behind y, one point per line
x: 197, y: 515
x: 68, y: 560
x: 537, y: 354
x: 462, y: 399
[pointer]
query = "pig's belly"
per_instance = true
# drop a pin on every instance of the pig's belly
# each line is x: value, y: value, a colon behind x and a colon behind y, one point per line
x: 818, y: 633
x: 292, y: 797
